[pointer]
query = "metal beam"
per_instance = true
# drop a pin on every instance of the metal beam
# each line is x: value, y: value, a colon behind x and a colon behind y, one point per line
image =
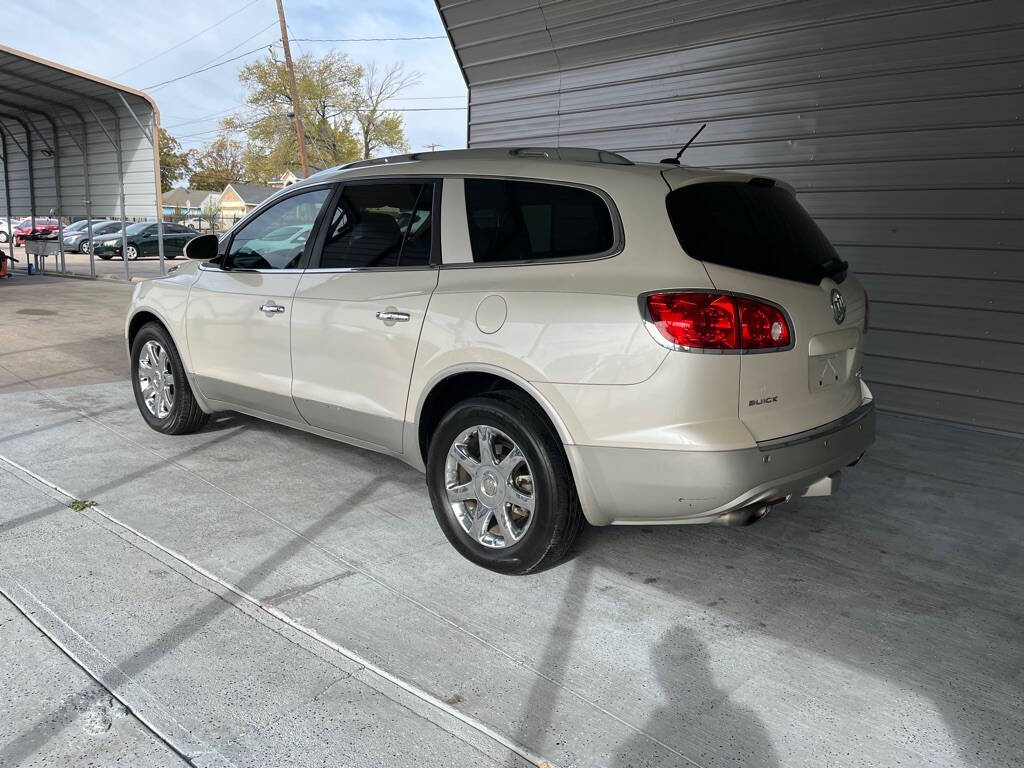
x: 145, y: 132
x: 31, y: 169
x: 7, y: 197
x: 83, y: 147
x: 55, y: 152
x: 18, y: 143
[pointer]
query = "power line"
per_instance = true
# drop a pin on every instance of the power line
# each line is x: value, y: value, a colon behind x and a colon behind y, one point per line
x: 204, y: 118
x: 243, y: 42
x: 187, y: 40
x: 365, y: 39
x: 207, y: 68
x: 425, y: 98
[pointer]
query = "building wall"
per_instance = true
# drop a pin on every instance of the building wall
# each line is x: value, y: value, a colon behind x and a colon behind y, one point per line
x: 232, y: 208
x: 900, y: 124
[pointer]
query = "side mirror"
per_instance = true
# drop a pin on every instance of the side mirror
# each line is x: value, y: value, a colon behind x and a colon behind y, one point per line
x: 202, y: 248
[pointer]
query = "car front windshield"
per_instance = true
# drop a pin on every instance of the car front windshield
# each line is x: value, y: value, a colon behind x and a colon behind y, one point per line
x: 138, y: 227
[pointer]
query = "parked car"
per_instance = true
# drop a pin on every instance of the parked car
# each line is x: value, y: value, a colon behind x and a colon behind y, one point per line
x: 579, y: 338
x: 44, y: 227
x: 7, y: 226
x: 143, y: 241
x: 76, y: 236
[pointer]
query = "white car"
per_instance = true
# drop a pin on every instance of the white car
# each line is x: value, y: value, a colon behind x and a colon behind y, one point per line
x: 7, y: 227
x: 552, y: 335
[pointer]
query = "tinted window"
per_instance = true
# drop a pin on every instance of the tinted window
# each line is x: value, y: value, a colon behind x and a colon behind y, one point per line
x: 380, y: 225
x: 516, y: 220
x: 277, y: 237
x: 751, y: 227
x: 103, y: 229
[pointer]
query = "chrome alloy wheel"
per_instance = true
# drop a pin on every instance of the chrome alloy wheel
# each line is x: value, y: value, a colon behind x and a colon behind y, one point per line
x: 489, y: 486
x: 156, y: 381
x: 133, y: 253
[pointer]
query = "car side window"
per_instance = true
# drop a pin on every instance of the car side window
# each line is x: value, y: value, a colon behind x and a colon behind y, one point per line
x: 526, y: 220
x: 380, y: 225
x: 277, y: 237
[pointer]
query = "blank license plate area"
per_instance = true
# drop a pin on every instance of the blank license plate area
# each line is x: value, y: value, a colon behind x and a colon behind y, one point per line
x: 824, y: 371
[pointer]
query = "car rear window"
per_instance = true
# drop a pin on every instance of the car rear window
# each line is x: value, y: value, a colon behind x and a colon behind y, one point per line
x: 526, y: 220
x: 751, y: 226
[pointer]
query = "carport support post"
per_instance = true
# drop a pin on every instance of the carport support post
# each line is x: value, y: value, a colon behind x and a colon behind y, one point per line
x: 31, y: 189
x: 88, y: 193
x: 124, y: 222
x: 56, y: 180
x: 152, y: 137
x: 7, y: 196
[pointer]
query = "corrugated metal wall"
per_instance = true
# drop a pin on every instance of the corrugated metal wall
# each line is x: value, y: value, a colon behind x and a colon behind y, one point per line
x: 139, y: 170
x: 88, y: 113
x: 900, y: 124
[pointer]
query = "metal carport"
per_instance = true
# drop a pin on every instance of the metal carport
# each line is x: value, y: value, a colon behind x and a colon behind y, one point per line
x: 76, y: 144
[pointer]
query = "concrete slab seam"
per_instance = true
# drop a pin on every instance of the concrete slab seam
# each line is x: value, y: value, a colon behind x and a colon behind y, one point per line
x: 525, y: 752
x: 369, y: 575
x: 188, y: 755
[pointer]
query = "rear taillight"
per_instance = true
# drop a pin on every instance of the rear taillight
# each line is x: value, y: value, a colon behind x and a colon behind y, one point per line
x: 701, y: 320
x: 762, y: 326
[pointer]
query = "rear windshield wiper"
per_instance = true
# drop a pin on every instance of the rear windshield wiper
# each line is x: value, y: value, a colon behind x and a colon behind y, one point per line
x: 833, y: 267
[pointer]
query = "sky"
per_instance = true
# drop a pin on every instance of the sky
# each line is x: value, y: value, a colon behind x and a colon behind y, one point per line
x: 125, y: 41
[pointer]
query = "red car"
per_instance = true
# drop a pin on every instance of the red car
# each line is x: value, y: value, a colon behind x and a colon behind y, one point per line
x: 45, y: 226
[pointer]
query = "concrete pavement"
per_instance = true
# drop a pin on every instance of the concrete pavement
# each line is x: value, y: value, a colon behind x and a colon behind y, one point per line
x: 881, y: 626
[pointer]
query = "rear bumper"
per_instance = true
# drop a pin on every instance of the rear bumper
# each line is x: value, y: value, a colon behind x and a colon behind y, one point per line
x: 648, y: 486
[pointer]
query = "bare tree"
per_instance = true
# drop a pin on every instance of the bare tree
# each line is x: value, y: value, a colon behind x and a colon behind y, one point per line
x: 378, y: 127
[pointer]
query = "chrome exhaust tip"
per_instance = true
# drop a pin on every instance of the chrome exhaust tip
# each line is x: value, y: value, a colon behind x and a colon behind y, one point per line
x: 739, y: 518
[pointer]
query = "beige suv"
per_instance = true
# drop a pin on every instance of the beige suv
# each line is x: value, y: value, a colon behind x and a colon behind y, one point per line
x: 552, y: 335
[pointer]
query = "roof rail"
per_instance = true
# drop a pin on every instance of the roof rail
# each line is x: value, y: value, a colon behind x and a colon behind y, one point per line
x: 570, y: 154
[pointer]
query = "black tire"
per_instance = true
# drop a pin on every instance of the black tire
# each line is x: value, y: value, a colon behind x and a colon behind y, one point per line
x: 105, y: 256
x: 82, y: 246
x: 171, y: 256
x: 558, y: 515
x: 185, y: 415
x: 4, y: 237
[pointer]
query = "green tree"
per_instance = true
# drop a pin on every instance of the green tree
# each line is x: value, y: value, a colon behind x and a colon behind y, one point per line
x: 177, y: 215
x: 343, y: 108
x: 378, y: 127
x: 326, y: 85
x: 219, y: 164
x: 174, y: 161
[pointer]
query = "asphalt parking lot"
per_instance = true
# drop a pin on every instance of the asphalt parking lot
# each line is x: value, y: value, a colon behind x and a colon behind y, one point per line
x: 252, y: 595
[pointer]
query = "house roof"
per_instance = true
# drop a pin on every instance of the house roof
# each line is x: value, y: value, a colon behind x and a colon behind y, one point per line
x: 297, y: 172
x: 251, y: 193
x: 179, y: 196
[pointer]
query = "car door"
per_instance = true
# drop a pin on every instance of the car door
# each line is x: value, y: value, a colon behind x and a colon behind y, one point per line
x: 360, y: 306
x: 172, y: 240
x: 146, y: 241
x: 240, y: 309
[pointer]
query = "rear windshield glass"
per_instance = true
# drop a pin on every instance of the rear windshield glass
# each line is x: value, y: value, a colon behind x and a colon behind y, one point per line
x: 751, y: 227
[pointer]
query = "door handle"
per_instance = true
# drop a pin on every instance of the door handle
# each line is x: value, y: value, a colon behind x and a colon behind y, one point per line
x: 392, y: 316
x: 271, y: 308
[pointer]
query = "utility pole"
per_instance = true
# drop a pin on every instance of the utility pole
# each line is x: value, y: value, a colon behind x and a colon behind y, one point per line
x: 433, y: 147
x: 293, y: 88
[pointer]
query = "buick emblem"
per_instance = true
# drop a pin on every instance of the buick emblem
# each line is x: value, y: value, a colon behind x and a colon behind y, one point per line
x: 838, y: 306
